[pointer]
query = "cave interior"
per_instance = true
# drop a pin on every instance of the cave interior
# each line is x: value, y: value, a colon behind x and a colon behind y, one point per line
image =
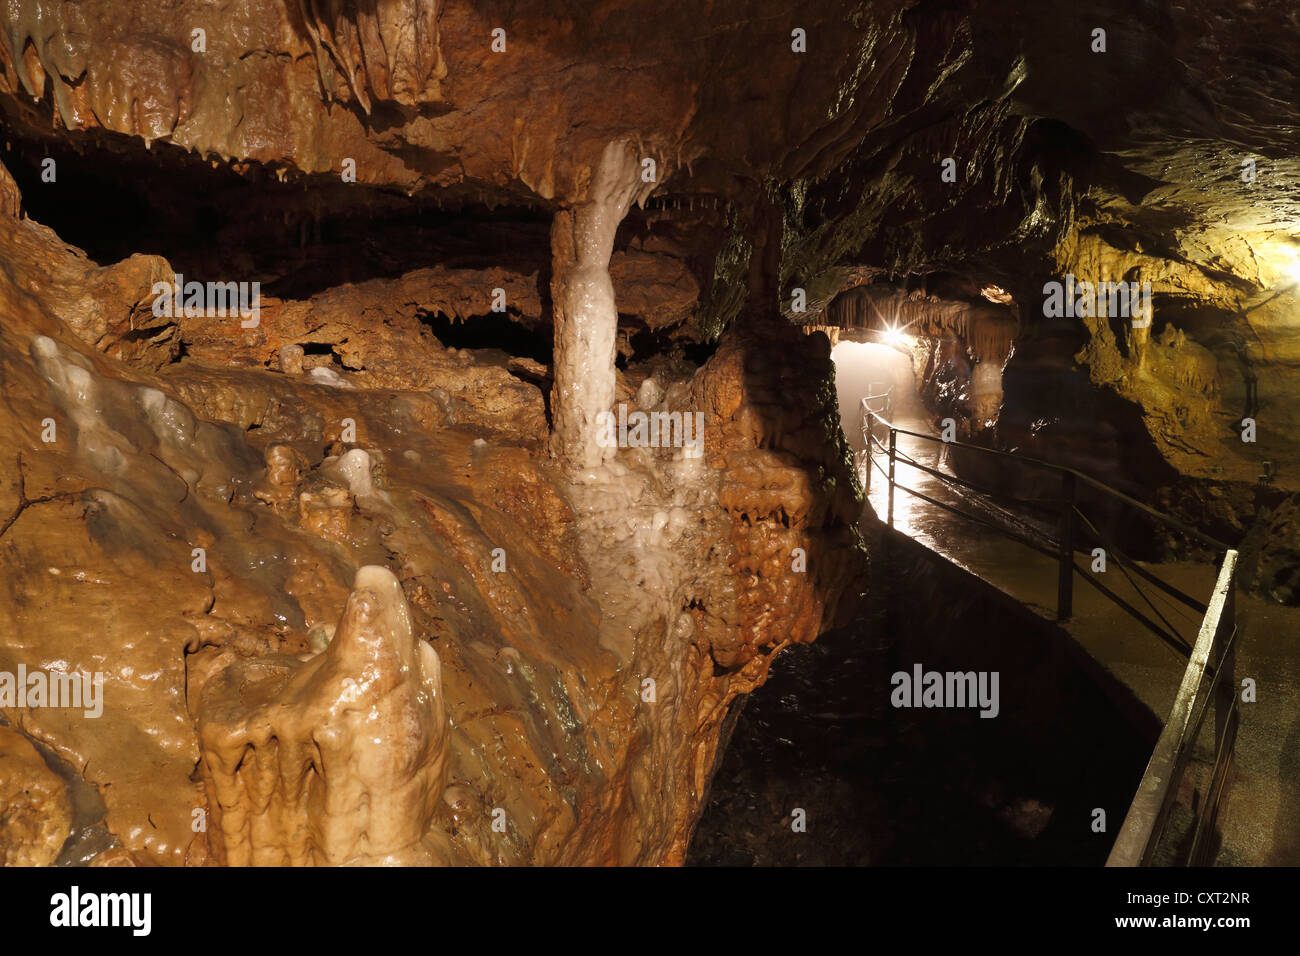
x: 434, y: 426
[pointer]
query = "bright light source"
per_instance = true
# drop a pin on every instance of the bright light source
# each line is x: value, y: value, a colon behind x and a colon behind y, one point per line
x: 996, y: 294
x: 892, y: 335
x: 1290, y: 261
x: 1284, y: 257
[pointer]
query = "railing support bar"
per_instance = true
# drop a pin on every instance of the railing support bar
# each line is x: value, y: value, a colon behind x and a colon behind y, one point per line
x: 893, y: 450
x: 1065, y: 572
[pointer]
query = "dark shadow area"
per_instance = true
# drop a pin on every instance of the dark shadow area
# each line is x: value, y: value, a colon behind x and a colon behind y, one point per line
x: 112, y: 197
x: 494, y: 330
x: 1052, y: 411
x: 928, y: 786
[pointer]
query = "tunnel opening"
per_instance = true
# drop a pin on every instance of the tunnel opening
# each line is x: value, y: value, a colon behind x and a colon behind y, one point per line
x: 957, y: 363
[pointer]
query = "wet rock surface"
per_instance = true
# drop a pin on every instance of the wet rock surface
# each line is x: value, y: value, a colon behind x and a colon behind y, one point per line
x: 251, y: 496
x: 35, y: 813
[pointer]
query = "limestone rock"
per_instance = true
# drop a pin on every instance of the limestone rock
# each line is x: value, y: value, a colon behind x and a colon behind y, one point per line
x: 35, y: 813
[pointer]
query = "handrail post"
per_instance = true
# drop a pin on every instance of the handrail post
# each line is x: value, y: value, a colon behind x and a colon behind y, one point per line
x: 893, y: 447
x: 1148, y: 814
x: 1065, y: 574
x: 1226, y: 689
x: 868, y: 444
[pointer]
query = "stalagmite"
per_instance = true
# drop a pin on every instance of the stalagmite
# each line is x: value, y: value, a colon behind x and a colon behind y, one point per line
x: 291, y: 359
x: 986, y: 389
x: 586, y: 321
x: 339, y: 760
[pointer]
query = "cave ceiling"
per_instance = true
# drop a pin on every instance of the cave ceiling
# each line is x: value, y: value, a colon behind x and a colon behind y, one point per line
x: 1048, y: 135
x: 1149, y: 141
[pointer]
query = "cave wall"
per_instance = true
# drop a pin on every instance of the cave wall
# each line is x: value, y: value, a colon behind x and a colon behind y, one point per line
x: 541, y: 667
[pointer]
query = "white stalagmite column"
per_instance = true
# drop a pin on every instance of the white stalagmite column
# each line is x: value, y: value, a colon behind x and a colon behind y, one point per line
x: 986, y: 389
x: 586, y: 321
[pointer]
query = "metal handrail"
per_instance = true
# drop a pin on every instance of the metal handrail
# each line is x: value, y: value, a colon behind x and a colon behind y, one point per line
x: 1148, y: 815
x: 1067, y: 504
x: 1059, y: 469
x: 1139, y: 837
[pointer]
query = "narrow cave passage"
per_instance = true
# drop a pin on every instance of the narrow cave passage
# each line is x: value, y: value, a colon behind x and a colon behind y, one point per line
x: 864, y: 369
x: 982, y: 529
x: 916, y: 787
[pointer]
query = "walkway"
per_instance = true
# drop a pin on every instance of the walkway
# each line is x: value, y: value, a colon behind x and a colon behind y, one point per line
x: 1260, y: 820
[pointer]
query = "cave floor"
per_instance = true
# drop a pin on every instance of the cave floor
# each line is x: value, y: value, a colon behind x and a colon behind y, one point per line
x: 1259, y: 822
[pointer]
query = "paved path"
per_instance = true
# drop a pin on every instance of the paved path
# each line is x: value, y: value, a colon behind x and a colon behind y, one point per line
x: 1260, y: 823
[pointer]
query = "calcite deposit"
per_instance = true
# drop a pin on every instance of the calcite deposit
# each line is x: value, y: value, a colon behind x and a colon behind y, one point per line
x: 337, y: 760
x: 252, y: 496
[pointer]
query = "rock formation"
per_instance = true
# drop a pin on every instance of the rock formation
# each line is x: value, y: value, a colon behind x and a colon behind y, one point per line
x: 337, y: 760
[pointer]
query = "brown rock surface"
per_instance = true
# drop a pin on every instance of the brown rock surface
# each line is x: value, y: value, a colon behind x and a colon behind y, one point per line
x: 35, y: 815
x: 543, y: 721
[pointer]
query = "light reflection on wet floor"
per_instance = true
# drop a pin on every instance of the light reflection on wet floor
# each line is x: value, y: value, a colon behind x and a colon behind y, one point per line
x: 1261, y: 819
